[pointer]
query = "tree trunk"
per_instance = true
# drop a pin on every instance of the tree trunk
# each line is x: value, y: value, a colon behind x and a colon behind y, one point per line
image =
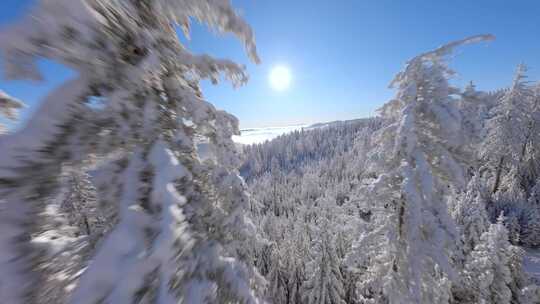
x: 523, y: 150
x: 526, y: 142
x: 498, y: 176
x: 87, y: 225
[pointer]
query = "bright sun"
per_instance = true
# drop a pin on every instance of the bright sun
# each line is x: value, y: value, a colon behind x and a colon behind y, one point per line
x: 280, y: 78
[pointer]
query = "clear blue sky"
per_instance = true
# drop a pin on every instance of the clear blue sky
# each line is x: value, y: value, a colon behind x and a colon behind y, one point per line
x: 343, y: 53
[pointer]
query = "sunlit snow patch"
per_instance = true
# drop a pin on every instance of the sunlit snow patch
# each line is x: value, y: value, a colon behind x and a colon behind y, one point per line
x: 260, y: 135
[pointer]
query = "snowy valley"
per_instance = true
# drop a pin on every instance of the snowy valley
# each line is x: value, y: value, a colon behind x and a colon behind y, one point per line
x: 308, y: 176
x: 128, y: 186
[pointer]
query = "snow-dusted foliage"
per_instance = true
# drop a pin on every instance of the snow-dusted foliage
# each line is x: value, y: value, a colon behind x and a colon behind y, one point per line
x: 325, y: 283
x: 9, y: 108
x: 292, y: 192
x: 124, y: 188
x: 412, y: 197
x: 531, y: 227
x: 80, y: 204
x: 506, y: 129
x: 493, y: 271
x: 471, y: 217
x: 303, y: 147
x: 420, y: 158
x: 488, y: 267
x: 180, y: 228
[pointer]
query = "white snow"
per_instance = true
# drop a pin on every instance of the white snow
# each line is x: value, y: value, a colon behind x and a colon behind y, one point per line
x: 260, y: 135
x: 251, y: 136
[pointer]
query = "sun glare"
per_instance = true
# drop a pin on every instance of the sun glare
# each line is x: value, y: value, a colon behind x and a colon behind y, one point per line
x: 280, y: 78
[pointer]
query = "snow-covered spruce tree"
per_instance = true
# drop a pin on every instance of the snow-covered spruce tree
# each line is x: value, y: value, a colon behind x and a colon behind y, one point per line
x: 285, y: 270
x: 488, y: 268
x: 9, y: 108
x: 494, y: 269
x: 298, y: 272
x: 507, y: 128
x: 277, y: 279
x: 471, y: 218
x: 80, y: 203
x: 420, y: 155
x: 520, y: 279
x: 534, y: 195
x: 510, y: 200
x: 531, y: 232
x: 372, y: 254
x: 294, y: 252
x: 325, y: 282
x: 529, y: 166
x: 181, y: 221
x: 474, y: 107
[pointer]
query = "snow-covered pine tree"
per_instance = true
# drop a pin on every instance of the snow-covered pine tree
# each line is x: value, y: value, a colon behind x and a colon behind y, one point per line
x: 181, y: 221
x: 520, y: 280
x: 9, y: 108
x: 494, y: 271
x: 530, y: 235
x: 531, y: 230
x: 474, y: 107
x: 510, y: 200
x: 295, y: 250
x: 471, y: 218
x: 534, y: 195
x: 419, y: 156
x: 277, y: 279
x: 325, y: 282
x: 488, y: 271
x: 529, y: 166
x: 372, y: 255
x: 507, y: 128
x: 80, y: 203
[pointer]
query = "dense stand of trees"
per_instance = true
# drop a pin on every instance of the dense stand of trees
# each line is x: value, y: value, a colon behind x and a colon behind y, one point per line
x: 430, y: 202
x: 108, y: 196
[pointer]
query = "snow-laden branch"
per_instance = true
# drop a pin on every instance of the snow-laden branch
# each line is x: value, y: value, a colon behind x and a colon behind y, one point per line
x: 9, y: 107
x: 65, y: 31
x: 438, y: 53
